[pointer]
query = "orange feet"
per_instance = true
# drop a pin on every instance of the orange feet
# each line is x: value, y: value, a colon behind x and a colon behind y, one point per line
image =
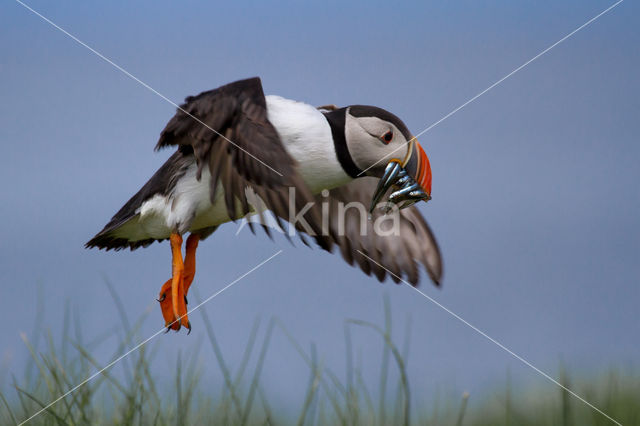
x: 173, y: 294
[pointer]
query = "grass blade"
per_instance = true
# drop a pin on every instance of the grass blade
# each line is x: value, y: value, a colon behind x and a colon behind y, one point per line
x: 399, y: 361
x: 256, y: 374
x: 221, y: 363
x: 313, y: 386
x: 48, y: 410
x: 8, y: 407
x: 463, y: 407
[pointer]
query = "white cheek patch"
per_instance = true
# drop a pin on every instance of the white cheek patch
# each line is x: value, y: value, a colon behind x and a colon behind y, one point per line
x: 364, y: 144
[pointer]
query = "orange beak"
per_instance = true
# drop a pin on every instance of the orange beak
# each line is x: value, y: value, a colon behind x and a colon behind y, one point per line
x: 410, y: 178
x: 417, y: 165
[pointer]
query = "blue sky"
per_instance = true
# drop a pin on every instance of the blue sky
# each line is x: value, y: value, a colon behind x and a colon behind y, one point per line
x: 535, y: 198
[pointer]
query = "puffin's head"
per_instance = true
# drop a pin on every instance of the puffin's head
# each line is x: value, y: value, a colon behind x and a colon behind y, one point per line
x: 375, y: 137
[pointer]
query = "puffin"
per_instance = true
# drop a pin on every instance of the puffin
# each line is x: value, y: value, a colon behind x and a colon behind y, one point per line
x: 343, y: 177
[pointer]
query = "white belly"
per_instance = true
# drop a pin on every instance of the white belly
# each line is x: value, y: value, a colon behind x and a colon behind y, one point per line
x: 187, y: 208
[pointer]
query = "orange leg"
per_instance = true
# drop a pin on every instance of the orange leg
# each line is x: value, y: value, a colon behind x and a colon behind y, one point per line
x: 176, y: 281
x: 190, y: 261
x: 174, y: 308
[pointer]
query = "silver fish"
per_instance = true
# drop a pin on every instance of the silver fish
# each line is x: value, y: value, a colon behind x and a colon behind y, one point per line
x: 406, y: 190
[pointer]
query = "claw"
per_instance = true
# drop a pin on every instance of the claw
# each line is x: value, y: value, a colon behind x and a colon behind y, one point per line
x: 162, y: 297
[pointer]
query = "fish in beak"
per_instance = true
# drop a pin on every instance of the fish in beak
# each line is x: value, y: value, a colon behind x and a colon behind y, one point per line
x: 410, y: 178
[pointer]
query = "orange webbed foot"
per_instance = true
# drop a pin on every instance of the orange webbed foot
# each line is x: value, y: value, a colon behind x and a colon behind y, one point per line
x: 172, y: 320
x: 173, y: 294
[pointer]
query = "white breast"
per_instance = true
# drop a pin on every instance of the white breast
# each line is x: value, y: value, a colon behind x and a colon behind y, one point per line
x: 306, y: 135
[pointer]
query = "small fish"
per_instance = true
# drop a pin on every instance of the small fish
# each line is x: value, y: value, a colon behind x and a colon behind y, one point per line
x: 407, y: 190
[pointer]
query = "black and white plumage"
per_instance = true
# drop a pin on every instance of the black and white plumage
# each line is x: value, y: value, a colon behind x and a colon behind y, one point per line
x: 279, y: 144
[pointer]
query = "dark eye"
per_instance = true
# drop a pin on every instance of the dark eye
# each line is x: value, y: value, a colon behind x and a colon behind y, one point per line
x: 387, y: 137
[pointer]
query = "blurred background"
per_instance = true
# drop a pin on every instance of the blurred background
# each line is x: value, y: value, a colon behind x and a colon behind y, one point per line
x: 535, y: 190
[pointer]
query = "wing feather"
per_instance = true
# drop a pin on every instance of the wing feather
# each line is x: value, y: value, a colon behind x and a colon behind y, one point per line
x: 242, y: 149
x: 399, y: 253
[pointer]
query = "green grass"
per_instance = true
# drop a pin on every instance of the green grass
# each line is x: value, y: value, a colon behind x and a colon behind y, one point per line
x: 135, y: 397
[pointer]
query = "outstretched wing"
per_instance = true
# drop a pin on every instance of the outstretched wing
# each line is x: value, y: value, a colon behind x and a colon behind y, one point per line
x: 399, y: 251
x: 230, y: 134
